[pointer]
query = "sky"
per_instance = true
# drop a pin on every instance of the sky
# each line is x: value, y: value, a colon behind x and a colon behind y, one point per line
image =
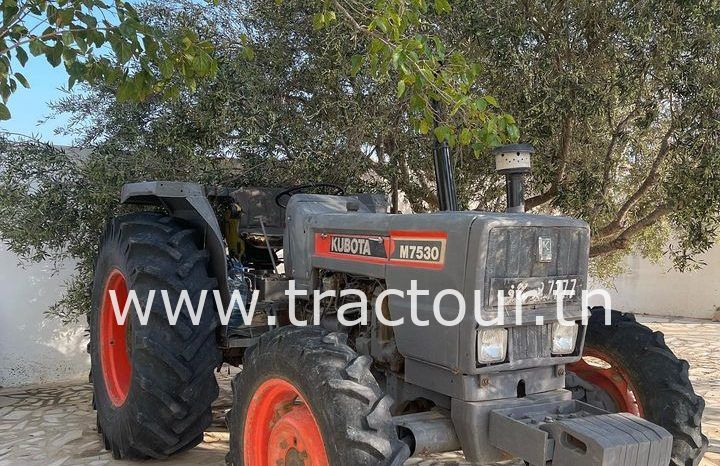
x: 29, y: 106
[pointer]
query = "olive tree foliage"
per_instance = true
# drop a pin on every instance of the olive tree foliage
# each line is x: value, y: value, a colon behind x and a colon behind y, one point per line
x: 54, y: 203
x: 288, y: 104
x: 98, y: 42
x: 620, y: 100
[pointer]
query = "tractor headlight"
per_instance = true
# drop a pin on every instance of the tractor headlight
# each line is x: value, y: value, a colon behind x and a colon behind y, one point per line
x: 492, y: 345
x: 564, y: 338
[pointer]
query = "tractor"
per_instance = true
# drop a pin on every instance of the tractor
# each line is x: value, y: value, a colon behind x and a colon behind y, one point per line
x: 339, y: 392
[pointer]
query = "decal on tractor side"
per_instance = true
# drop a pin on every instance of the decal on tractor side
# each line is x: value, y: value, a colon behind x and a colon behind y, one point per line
x: 419, y: 250
x: 425, y: 249
x: 358, y: 245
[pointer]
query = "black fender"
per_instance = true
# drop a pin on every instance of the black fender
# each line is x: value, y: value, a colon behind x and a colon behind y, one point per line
x: 188, y: 202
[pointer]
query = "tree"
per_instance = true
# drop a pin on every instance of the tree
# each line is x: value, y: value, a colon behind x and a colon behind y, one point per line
x: 404, y: 44
x: 622, y: 100
x: 80, y: 34
x: 596, y: 90
x: 55, y: 202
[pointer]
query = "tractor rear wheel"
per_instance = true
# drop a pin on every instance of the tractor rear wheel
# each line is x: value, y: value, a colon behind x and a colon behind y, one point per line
x: 626, y: 367
x: 153, y: 383
x: 305, y: 398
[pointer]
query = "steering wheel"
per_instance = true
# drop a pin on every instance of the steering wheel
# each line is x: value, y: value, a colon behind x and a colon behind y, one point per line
x: 316, y: 188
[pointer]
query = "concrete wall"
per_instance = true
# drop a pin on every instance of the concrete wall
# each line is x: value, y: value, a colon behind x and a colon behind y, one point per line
x: 649, y: 288
x: 33, y: 348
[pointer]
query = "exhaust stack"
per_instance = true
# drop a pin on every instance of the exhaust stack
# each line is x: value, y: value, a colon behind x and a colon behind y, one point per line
x: 513, y: 161
x: 444, y: 177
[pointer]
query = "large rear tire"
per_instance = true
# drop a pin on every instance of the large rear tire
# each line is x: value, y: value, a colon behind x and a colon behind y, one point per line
x: 154, y: 383
x: 306, y: 398
x: 632, y: 369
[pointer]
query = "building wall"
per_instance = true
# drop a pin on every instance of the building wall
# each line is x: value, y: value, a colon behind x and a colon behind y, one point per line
x: 34, y: 348
x: 649, y: 288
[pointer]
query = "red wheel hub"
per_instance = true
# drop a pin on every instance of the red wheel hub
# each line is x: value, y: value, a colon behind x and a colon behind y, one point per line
x: 610, y: 377
x: 114, y: 360
x: 280, y: 429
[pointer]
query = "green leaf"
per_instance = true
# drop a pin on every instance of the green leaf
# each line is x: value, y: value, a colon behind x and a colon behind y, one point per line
x: 400, y: 88
x: 22, y: 80
x: 127, y: 30
x: 249, y: 53
x: 491, y: 100
x: 442, y: 6
x: 21, y: 55
x: 69, y: 55
x: 126, y: 90
x: 201, y: 63
x: 166, y: 69
x: 513, y: 133
x: 171, y: 92
x: 481, y: 105
x: 51, y: 12
x: 65, y: 16
x: 78, y: 69
x: 54, y: 54
x: 318, y: 21
x: 465, y: 136
x: 67, y: 38
x: 122, y: 49
x: 89, y: 20
x: 151, y: 47
x: 356, y: 62
x: 37, y: 47
x: 81, y: 43
x: 442, y: 133
x: 5, y: 90
x: 4, y: 112
x: 417, y: 104
x: 396, y: 57
x: 96, y: 38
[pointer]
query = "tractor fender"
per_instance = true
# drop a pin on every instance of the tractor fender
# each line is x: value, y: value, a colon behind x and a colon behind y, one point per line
x: 188, y: 202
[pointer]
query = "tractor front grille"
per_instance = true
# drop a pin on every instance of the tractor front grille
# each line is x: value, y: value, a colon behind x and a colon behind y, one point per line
x: 529, y: 342
x: 514, y: 253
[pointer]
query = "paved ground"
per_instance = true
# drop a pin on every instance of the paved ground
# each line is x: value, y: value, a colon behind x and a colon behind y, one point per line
x: 54, y: 424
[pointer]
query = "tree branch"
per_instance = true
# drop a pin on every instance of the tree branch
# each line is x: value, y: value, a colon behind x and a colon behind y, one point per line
x: 619, y: 131
x: 650, y: 180
x: 542, y: 198
x: 549, y: 195
x: 622, y: 241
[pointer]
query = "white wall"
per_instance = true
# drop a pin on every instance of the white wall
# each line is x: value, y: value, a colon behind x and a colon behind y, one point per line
x: 33, y: 348
x: 648, y: 288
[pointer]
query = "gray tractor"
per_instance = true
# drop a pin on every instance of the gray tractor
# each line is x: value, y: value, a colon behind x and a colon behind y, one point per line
x: 342, y: 392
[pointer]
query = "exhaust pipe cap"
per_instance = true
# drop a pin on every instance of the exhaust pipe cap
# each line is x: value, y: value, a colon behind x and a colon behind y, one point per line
x: 513, y: 158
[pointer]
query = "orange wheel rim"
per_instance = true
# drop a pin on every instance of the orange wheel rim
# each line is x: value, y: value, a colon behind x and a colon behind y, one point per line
x: 114, y: 359
x: 280, y: 428
x: 614, y: 380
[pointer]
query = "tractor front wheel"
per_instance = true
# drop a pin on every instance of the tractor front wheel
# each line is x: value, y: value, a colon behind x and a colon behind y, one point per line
x: 305, y: 398
x: 626, y: 367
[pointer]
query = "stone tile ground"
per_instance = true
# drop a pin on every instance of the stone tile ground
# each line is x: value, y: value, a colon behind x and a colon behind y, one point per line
x: 54, y: 425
